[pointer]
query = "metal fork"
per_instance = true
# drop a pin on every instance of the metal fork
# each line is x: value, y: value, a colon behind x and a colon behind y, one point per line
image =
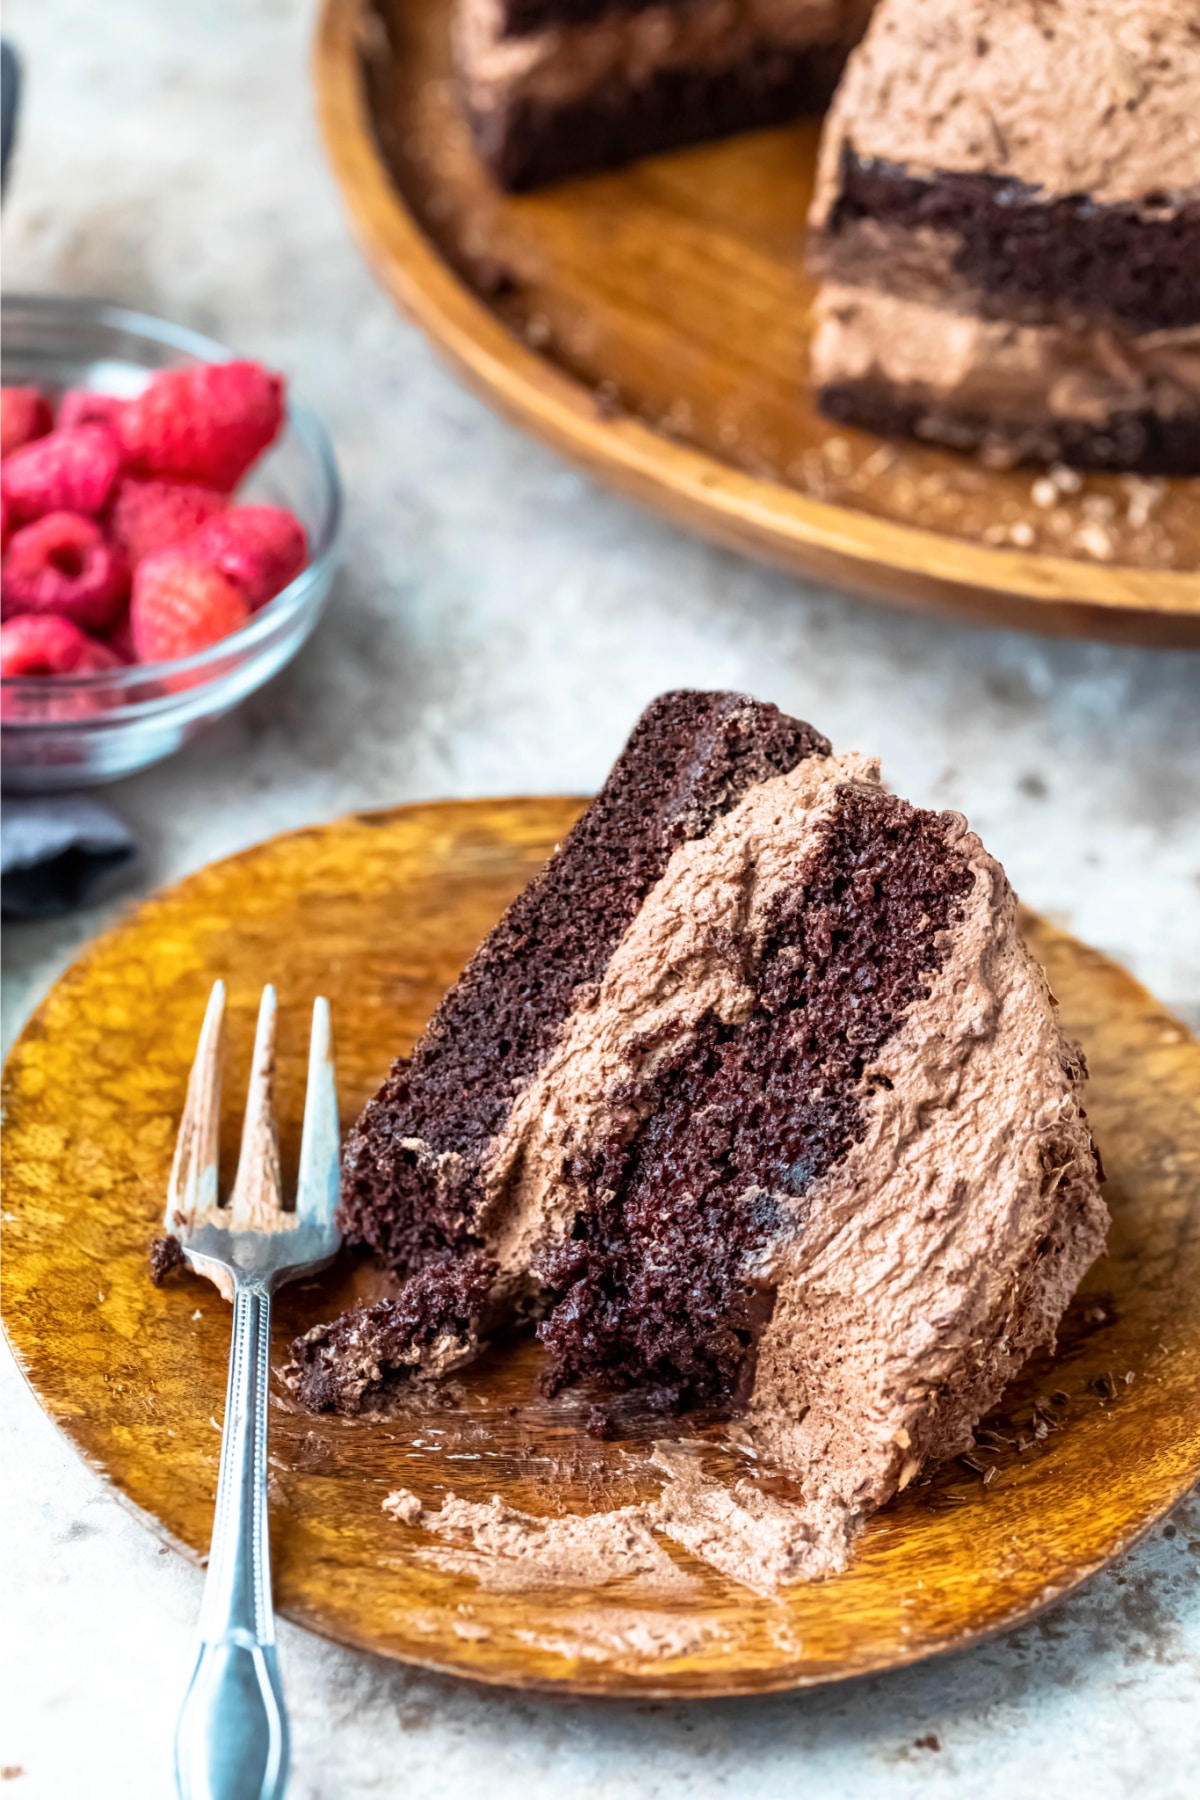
x: 232, y: 1739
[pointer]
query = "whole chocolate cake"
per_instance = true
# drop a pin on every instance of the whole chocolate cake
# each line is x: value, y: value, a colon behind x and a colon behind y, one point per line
x: 1007, y: 215
x: 755, y: 1098
x: 1008, y: 221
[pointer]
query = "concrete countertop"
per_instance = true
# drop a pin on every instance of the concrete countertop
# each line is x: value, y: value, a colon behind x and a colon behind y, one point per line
x: 498, y: 625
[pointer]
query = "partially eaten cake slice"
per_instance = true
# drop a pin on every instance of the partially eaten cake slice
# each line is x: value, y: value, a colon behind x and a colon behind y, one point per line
x: 1007, y: 220
x: 755, y: 1098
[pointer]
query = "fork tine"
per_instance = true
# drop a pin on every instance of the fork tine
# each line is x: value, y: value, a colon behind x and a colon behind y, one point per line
x: 192, y: 1188
x: 317, y: 1187
x: 257, y: 1198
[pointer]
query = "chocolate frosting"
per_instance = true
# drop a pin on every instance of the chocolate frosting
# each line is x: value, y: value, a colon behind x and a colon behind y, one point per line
x: 920, y: 351
x: 943, y: 1250
x: 1071, y: 96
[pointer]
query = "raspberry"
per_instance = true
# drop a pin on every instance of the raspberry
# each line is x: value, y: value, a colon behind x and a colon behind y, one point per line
x: 24, y: 415
x: 149, y: 515
x: 5, y: 524
x: 61, y: 564
x: 43, y: 645
x: 120, y: 639
x: 204, y: 424
x: 181, y: 604
x: 259, y: 548
x: 68, y: 471
x: 80, y: 406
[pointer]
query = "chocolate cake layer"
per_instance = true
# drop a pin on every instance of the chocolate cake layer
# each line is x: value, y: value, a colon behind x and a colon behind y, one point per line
x: 1139, y: 443
x: 518, y: 18
x: 1012, y: 252
x: 528, y: 143
x: 413, y: 1167
x: 654, y: 1284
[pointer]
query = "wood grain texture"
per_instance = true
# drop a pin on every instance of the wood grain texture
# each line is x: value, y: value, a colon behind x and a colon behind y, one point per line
x: 653, y: 325
x: 379, y: 912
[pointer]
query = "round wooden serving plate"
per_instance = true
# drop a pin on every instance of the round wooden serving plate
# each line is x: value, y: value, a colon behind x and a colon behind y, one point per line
x: 379, y: 912
x: 653, y: 325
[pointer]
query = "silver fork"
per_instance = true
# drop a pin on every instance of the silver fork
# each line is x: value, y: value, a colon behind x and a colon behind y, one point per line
x: 232, y: 1739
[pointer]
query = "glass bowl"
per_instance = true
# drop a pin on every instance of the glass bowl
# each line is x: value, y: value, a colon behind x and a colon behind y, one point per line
x: 66, y: 731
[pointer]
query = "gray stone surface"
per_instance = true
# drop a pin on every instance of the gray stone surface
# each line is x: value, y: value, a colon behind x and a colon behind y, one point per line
x: 498, y: 625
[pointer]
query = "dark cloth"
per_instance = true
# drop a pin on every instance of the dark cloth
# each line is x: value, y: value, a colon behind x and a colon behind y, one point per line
x: 10, y: 89
x: 54, y: 848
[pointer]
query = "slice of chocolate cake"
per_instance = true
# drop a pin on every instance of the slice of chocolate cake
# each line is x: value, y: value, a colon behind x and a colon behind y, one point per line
x: 754, y: 1098
x: 1007, y: 218
x: 564, y: 87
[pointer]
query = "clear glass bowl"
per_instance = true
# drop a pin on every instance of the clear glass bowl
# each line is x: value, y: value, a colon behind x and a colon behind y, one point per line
x: 66, y: 731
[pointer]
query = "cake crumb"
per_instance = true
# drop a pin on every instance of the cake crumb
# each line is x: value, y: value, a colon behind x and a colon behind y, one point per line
x: 598, y: 1424
x: 1092, y: 537
x: 1142, y: 495
x: 403, y: 1505
x: 166, y: 1254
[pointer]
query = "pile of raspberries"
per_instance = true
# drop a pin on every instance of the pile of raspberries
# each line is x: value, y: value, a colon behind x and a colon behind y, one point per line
x: 121, y: 542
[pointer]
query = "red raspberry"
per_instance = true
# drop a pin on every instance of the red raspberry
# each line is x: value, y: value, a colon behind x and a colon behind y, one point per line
x: 181, y: 605
x: 24, y: 415
x: 259, y: 548
x: 61, y: 564
x: 79, y: 406
x: 148, y: 515
x: 205, y: 424
x: 5, y: 524
x: 68, y: 471
x: 120, y: 640
x: 43, y: 645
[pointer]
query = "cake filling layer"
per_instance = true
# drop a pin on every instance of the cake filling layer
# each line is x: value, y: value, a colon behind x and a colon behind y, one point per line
x: 1030, y: 389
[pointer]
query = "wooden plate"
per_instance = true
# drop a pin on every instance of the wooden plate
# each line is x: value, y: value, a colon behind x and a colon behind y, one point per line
x: 653, y: 326
x: 379, y: 912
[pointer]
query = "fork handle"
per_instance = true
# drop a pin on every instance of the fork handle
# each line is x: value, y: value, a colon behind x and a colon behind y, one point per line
x: 232, y: 1739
